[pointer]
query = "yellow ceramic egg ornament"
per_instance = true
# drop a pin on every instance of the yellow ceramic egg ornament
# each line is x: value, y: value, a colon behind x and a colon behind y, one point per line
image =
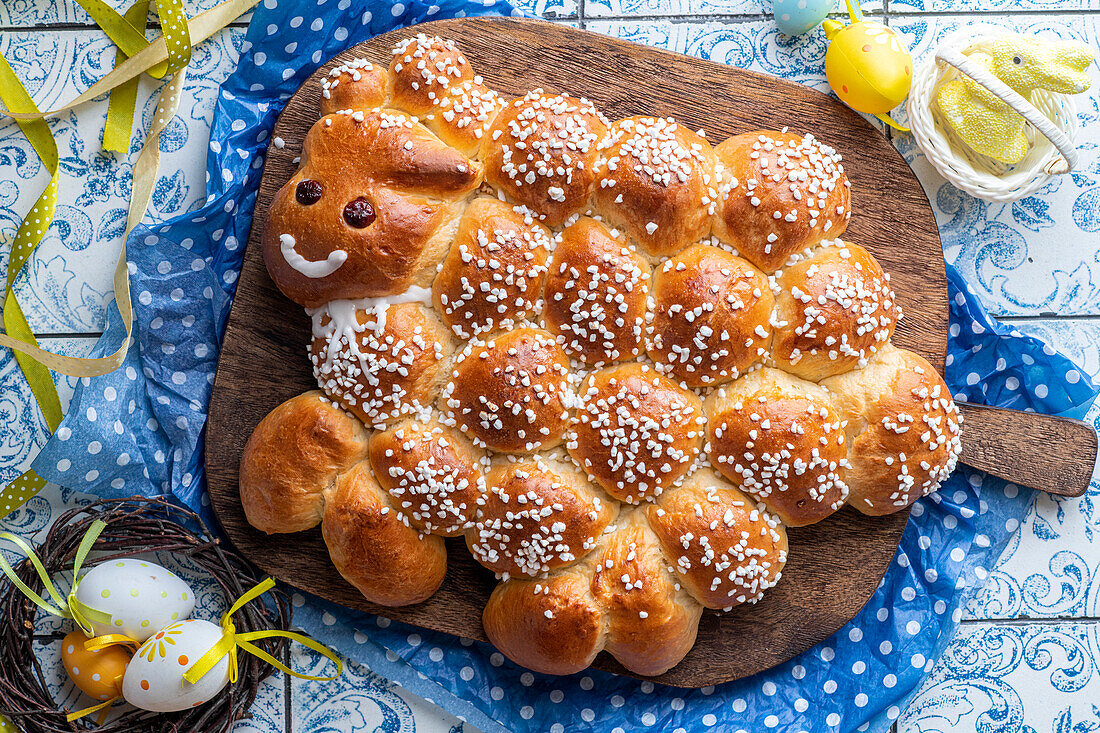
x: 98, y: 673
x: 867, y: 65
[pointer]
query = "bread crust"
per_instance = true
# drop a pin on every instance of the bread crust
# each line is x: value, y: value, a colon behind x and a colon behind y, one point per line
x: 616, y: 360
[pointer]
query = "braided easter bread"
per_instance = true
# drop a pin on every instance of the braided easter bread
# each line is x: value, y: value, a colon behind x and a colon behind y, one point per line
x: 616, y: 359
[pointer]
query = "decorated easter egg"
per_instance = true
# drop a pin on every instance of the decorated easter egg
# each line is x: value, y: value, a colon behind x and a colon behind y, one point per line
x: 798, y: 16
x: 154, y: 680
x: 868, y: 66
x: 97, y: 673
x: 139, y: 596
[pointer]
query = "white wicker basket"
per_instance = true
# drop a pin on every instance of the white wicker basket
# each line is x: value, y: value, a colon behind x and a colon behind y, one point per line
x: 1051, y: 132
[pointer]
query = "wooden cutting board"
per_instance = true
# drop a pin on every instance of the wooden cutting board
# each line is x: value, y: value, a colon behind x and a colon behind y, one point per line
x: 834, y: 566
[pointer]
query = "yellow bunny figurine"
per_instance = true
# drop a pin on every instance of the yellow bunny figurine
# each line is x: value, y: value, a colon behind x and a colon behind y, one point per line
x: 988, y: 124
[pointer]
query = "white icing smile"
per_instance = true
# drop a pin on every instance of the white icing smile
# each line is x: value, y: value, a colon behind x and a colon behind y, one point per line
x: 310, y: 268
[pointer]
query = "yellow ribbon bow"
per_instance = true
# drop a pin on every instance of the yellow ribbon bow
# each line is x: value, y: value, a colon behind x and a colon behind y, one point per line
x: 231, y: 641
x: 68, y: 607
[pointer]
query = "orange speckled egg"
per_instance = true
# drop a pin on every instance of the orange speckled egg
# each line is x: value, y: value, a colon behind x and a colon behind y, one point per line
x: 97, y: 673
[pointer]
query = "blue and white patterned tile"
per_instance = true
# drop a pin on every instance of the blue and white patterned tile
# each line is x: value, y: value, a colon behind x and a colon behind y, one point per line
x: 1051, y: 566
x: 29, y: 13
x: 991, y: 6
x: 627, y: 8
x: 548, y: 9
x: 22, y: 428
x: 359, y: 701
x: 755, y: 45
x: 729, y: 10
x: 1000, y: 678
x: 65, y: 287
x: 1038, y: 255
x: 268, y: 712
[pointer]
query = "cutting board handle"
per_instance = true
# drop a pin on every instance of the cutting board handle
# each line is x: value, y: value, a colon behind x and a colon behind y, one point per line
x: 1051, y: 454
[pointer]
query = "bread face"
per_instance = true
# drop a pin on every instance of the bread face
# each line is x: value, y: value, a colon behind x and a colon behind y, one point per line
x: 617, y: 361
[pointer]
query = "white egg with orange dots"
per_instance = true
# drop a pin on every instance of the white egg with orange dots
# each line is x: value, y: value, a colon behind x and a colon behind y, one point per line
x: 98, y: 673
x: 154, y: 680
x: 868, y: 65
x: 133, y: 597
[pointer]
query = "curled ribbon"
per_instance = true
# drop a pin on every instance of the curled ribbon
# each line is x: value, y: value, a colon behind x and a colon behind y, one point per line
x: 167, y: 56
x: 68, y: 607
x: 231, y: 641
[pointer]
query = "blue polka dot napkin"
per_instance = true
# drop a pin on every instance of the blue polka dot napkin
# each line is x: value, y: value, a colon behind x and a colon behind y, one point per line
x: 139, y: 430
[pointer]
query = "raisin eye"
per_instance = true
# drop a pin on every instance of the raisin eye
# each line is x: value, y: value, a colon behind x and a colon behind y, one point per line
x: 359, y: 213
x: 308, y: 192
x: 1017, y: 60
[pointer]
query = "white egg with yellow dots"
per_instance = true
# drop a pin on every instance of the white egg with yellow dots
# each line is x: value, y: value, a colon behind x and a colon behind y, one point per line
x: 154, y: 680
x: 139, y: 596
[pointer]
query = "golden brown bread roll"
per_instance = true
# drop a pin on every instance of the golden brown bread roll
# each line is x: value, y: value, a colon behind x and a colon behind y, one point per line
x: 292, y: 457
x: 358, y: 84
x: 537, y: 514
x: 596, y: 294
x: 710, y: 316
x: 551, y: 625
x: 833, y: 310
x: 779, y: 439
x: 463, y: 115
x: 306, y: 463
x: 781, y: 193
x: 492, y: 276
x: 380, y: 363
x: 435, y: 229
x: 656, y: 181
x: 636, y: 432
x: 651, y: 619
x: 423, y: 68
x: 903, y: 430
x: 434, y: 474
x: 641, y: 593
x: 512, y: 393
x: 338, y: 231
x: 375, y: 549
x: 542, y: 150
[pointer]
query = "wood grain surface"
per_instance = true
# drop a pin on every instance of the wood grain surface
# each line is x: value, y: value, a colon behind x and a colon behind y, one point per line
x: 1053, y: 454
x: 834, y: 566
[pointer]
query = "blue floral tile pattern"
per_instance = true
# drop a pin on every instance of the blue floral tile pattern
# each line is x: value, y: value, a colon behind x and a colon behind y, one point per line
x: 990, y: 6
x: 1039, y: 255
x: 988, y: 678
x: 360, y: 701
x: 66, y: 287
x: 26, y: 13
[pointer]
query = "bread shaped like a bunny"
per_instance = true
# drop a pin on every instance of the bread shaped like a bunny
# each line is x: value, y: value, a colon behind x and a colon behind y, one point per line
x: 615, y: 359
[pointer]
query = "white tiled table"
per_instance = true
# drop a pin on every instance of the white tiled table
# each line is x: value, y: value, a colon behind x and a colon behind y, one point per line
x: 1027, y: 656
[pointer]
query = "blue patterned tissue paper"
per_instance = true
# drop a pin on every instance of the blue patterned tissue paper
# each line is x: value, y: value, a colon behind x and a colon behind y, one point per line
x: 139, y: 430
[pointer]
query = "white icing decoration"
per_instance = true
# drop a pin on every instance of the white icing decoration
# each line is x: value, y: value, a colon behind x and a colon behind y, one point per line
x: 310, y: 268
x: 343, y: 322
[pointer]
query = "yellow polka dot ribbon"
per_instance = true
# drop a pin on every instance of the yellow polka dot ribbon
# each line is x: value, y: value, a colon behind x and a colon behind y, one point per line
x: 230, y: 641
x: 123, y: 100
x: 62, y: 607
x: 167, y: 55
